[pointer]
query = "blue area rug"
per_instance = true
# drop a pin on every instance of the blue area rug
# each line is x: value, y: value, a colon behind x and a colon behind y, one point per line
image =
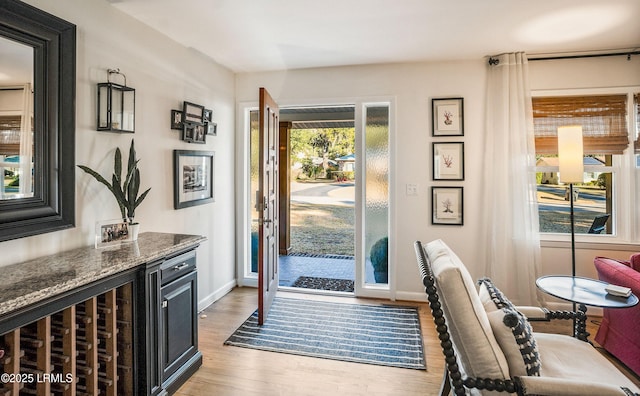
x: 384, y: 335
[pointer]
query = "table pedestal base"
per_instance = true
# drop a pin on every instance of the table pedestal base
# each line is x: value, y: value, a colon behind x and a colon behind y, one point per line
x: 580, y: 323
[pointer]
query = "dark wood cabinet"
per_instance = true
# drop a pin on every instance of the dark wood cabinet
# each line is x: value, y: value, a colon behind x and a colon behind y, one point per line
x: 178, y: 320
x: 122, y: 321
x: 172, y: 331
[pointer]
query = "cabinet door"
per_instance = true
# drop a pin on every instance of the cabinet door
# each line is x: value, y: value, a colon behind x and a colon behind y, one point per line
x: 179, y: 332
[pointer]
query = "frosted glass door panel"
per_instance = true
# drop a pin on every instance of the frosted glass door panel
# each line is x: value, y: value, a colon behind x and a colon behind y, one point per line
x: 254, y: 170
x: 376, y: 168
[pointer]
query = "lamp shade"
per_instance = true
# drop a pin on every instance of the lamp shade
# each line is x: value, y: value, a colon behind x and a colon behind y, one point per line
x: 570, y: 154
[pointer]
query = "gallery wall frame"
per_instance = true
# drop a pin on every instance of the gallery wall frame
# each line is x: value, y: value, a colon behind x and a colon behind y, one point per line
x: 194, y: 178
x: 194, y: 132
x: 195, y: 122
x: 193, y: 112
x: 176, y: 119
x: 447, y: 117
x: 447, y: 205
x: 212, y: 128
x: 448, y: 160
x: 208, y: 115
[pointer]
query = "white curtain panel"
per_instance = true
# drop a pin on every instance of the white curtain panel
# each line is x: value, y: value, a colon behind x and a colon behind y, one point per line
x: 512, y: 255
x: 26, y: 141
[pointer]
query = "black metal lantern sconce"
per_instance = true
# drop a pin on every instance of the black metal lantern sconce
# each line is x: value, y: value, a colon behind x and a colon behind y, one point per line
x: 116, y: 105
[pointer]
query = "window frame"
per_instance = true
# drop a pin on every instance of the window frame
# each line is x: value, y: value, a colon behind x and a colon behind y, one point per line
x: 624, y: 172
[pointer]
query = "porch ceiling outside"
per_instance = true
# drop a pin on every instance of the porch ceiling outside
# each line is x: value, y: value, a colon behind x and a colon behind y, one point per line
x: 319, y: 117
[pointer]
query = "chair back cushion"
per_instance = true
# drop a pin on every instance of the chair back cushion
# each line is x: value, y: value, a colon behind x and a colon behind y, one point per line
x: 512, y: 330
x: 478, y: 351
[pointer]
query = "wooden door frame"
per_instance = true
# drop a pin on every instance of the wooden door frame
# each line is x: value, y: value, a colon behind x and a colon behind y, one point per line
x: 285, y: 188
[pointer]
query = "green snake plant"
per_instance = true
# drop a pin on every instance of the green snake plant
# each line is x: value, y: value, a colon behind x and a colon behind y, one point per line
x: 124, y: 190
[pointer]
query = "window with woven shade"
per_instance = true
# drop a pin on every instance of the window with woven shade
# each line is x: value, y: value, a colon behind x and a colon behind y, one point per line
x: 10, y: 135
x: 603, y: 119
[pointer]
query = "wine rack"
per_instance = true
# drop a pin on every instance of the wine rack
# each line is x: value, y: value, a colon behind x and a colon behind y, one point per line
x: 85, y: 349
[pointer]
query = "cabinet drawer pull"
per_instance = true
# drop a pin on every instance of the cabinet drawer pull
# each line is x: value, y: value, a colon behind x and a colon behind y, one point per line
x: 180, y: 267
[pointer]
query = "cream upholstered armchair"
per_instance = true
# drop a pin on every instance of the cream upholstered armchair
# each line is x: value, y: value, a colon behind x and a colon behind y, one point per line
x: 490, y: 348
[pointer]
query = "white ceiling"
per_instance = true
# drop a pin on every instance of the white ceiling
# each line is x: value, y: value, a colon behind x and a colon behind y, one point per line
x: 260, y: 35
x: 16, y: 63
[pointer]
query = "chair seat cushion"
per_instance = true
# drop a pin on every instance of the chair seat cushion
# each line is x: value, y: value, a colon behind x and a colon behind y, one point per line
x: 569, y: 358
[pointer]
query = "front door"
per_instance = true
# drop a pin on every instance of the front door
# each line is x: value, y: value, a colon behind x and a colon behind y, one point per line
x: 268, y: 207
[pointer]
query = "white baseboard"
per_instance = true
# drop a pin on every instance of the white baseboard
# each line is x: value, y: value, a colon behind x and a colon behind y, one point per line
x: 249, y: 282
x: 216, y: 295
x: 411, y: 296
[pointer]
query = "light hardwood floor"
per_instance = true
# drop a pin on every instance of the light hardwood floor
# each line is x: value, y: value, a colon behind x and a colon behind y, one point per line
x: 230, y: 371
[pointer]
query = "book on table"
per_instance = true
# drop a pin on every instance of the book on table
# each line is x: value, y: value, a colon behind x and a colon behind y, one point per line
x: 619, y: 291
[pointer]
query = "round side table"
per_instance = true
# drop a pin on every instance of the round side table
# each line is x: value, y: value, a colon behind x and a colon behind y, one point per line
x: 583, y: 291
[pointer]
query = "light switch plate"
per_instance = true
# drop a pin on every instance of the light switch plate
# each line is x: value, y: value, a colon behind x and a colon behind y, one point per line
x: 412, y: 189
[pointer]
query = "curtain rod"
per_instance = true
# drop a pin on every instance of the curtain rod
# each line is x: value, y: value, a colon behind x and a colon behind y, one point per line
x: 627, y: 54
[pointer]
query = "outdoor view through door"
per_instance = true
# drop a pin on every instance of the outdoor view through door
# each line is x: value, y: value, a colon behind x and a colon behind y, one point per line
x: 318, y: 202
x: 321, y: 248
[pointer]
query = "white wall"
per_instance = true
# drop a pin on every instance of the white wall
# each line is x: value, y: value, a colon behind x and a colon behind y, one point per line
x: 164, y: 74
x: 11, y: 101
x: 591, y: 74
x: 413, y: 86
x: 604, y: 72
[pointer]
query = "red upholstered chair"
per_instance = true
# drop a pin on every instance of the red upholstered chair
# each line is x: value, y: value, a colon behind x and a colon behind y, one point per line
x: 635, y: 261
x: 618, y: 333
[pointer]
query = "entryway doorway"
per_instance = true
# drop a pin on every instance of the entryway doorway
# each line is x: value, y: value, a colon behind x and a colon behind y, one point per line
x: 359, y: 185
x: 317, y: 245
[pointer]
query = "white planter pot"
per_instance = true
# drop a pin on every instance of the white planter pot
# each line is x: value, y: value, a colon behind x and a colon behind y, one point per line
x: 134, y: 229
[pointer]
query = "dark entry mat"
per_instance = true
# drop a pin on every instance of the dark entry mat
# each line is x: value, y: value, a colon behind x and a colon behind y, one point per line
x: 310, y: 282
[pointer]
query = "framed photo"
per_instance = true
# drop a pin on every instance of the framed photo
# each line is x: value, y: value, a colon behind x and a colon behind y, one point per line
x: 112, y: 232
x: 176, y: 119
x: 212, y: 128
x: 447, y: 205
x: 193, y: 178
x: 188, y: 131
x: 199, y: 134
x: 448, y: 117
x: 194, y: 133
x: 193, y: 113
x: 448, y: 161
x: 208, y: 115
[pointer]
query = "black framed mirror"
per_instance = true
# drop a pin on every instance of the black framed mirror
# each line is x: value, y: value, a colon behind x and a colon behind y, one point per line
x: 43, y: 181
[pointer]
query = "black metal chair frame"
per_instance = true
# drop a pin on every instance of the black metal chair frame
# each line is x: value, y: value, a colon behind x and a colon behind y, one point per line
x: 452, y: 376
x: 599, y: 224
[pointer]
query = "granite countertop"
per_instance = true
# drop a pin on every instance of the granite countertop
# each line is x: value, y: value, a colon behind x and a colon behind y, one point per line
x: 23, y: 284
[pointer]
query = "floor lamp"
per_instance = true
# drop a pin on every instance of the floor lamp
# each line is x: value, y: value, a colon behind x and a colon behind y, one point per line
x: 571, y: 168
